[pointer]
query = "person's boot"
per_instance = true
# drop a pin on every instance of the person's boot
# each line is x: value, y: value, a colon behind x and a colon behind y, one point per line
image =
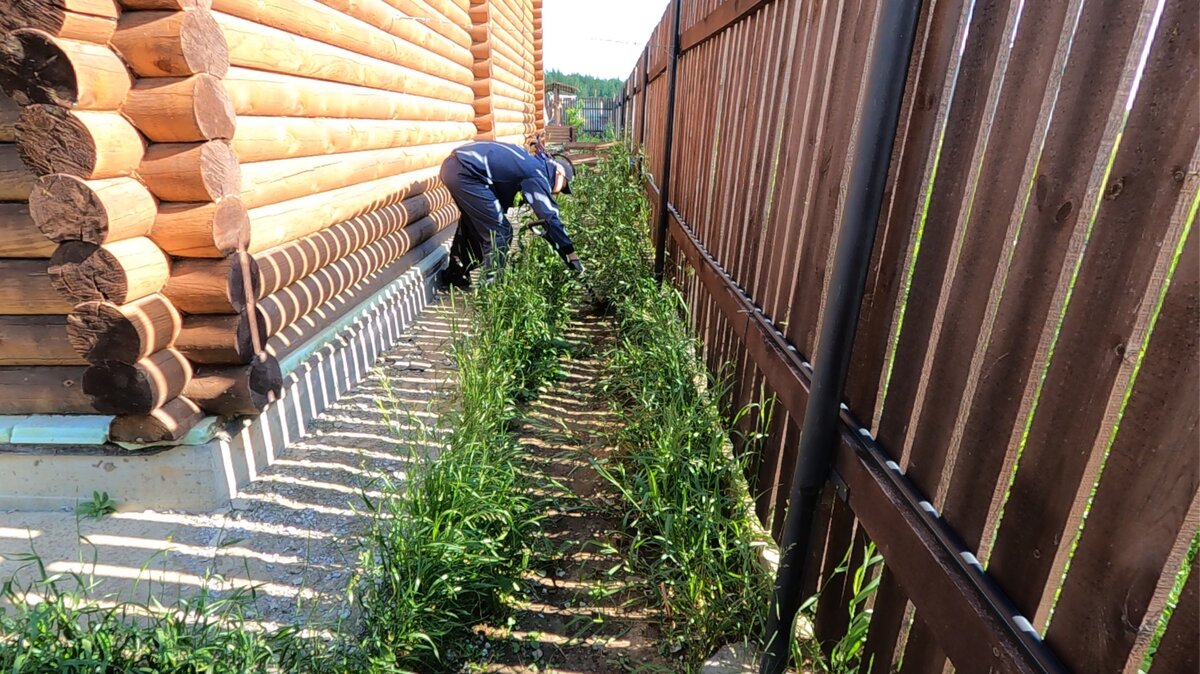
x: 455, y: 276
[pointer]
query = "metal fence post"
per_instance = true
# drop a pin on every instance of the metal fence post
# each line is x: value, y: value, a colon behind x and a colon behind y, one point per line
x: 660, y: 249
x: 887, y: 70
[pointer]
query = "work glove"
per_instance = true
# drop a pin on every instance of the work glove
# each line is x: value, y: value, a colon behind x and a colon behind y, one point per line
x: 576, y: 265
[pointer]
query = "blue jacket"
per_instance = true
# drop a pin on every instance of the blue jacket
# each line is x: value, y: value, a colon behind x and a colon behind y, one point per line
x: 509, y: 169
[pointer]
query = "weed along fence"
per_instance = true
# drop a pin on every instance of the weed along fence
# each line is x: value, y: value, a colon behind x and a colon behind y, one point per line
x: 1019, y: 428
x: 221, y: 210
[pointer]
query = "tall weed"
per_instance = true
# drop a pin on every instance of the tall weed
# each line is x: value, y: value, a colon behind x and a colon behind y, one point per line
x: 690, y: 533
x: 448, y: 548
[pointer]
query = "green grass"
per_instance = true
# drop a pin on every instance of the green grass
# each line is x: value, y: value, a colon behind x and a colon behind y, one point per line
x: 690, y: 533
x: 448, y: 552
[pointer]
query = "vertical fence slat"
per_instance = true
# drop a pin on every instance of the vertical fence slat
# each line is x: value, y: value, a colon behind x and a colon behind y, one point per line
x: 1177, y: 651
x: 1105, y: 310
x: 926, y: 88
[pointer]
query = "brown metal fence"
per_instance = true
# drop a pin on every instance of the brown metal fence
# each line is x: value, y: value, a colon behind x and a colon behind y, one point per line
x: 1027, y: 348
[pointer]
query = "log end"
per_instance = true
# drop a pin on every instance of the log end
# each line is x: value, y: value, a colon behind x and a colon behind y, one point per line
x: 204, y: 47
x: 237, y: 391
x: 231, y: 226
x: 138, y: 388
x: 219, y: 170
x: 168, y: 423
x: 51, y: 140
x: 33, y: 69
x: 85, y: 272
x: 99, y: 331
x: 215, y: 116
x: 68, y: 208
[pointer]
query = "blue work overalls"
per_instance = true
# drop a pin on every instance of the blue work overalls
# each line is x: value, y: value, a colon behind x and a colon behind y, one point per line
x: 484, y: 178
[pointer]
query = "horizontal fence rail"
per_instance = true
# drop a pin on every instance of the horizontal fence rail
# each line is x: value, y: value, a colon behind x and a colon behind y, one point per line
x: 1020, y: 429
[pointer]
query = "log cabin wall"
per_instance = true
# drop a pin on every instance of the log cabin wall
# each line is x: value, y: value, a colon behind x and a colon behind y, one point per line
x: 188, y: 186
x: 506, y: 47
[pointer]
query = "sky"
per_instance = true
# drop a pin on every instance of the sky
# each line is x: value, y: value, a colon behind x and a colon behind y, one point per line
x: 602, y: 38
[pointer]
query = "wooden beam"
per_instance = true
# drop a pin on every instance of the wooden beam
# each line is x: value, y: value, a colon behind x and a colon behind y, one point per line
x: 36, y: 67
x: 259, y: 93
x: 286, y: 264
x: 210, y: 286
x: 88, y: 20
x: 168, y: 423
x: 118, y: 272
x: 191, y: 172
x: 181, y: 109
x: 211, y: 230
x: 253, y: 45
x: 272, y: 182
x: 100, y: 331
x: 317, y: 21
x: 138, y: 388
x: 19, y: 234
x: 67, y: 208
x: 16, y: 180
x: 260, y: 139
x: 219, y: 339
x: 26, y: 288
x: 237, y: 390
x: 87, y: 144
x: 36, y: 340
x: 279, y: 223
x: 171, y: 44
x: 51, y: 389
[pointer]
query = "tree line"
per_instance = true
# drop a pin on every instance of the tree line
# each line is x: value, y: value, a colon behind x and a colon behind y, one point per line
x: 587, y: 85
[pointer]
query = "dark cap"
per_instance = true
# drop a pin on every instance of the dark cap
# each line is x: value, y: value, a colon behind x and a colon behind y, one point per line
x: 561, y: 163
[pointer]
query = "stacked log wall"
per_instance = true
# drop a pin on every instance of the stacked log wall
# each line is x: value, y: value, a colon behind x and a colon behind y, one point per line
x: 181, y: 182
x: 505, y: 49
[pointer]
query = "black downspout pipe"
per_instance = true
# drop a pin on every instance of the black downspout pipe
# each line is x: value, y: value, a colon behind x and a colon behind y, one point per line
x: 664, y: 187
x: 887, y: 72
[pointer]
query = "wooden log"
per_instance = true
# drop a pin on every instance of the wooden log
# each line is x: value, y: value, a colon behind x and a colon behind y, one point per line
x: 168, y: 423
x: 67, y: 208
x: 117, y: 272
x: 211, y: 229
x: 253, y: 45
x: 171, y: 44
x: 36, y: 67
x: 219, y: 339
x: 19, y: 234
x: 137, y: 388
x: 261, y: 93
x: 36, y: 340
x: 191, y: 171
x: 181, y: 109
x: 211, y: 286
x: 390, y: 15
x: 296, y: 335
x: 88, y: 20
x: 297, y: 300
x: 286, y: 264
x: 265, y: 183
x: 286, y: 221
x: 54, y: 389
x: 314, y: 20
x: 260, y: 139
x: 170, y: 5
x: 26, y: 288
x: 237, y: 390
x: 124, y: 333
x: 448, y: 19
x: 10, y: 112
x: 87, y: 144
x: 16, y: 180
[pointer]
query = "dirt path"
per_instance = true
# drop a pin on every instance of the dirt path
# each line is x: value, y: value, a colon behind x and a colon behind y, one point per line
x: 586, y: 613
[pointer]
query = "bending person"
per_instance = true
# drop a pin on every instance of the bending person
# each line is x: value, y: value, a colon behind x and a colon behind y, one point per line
x: 484, y: 178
